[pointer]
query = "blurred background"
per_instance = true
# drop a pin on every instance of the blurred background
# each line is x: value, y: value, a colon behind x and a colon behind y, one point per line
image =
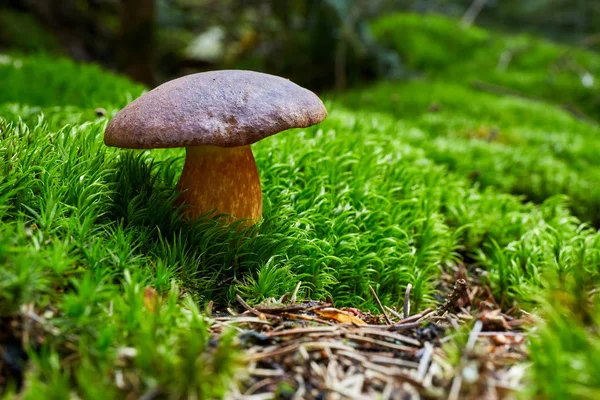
x: 320, y: 44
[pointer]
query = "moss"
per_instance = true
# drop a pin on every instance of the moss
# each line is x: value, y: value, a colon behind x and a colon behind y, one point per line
x: 440, y: 48
x: 518, y: 137
x: 44, y: 80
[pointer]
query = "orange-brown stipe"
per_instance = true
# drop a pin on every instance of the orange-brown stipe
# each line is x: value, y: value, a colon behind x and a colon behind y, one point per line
x: 224, y: 179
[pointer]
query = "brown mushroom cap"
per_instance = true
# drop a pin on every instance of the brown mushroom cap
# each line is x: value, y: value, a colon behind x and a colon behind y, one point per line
x: 227, y: 108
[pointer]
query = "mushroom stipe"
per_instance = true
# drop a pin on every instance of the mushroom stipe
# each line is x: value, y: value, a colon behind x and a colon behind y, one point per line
x: 217, y: 116
x: 223, y: 176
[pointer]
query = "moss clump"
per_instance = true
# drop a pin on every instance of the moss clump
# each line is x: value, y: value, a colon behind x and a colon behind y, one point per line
x: 48, y: 81
x: 489, y: 134
x: 443, y: 50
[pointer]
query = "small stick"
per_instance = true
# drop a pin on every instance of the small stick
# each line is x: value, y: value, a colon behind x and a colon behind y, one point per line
x: 393, y: 361
x: 474, y: 334
x: 514, y: 334
x: 412, y: 322
x: 415, y: 317
x: 239, y: 318
x: 455, y: 388
x: 254, y: 310
x: 231, y: 311
x: 424, y: 363
x: 402, y: 327
x: 293, y: 299
x: 318, y: 307
x: 452, y: 321
x: 258, y: 385
x: 301, y: 390
x: 282, y: 309
x: 387, y: 319
x: 296, y: 331
x: 407, y: 301
x: 329, y: 299
x: 309, y: 346
x: 393, y: 312
x: 458, y: 378
x: 265, y: 372
x: 386, y: 334
x: 381, y: 343
x: 425, y: 316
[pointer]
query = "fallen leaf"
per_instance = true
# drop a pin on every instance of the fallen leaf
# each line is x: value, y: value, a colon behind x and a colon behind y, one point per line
x: 339, y: 316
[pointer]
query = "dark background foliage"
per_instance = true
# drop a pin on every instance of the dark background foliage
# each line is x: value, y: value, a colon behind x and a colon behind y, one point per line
x: 321, y: 44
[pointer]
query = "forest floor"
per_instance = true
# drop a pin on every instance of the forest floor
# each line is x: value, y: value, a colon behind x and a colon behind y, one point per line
x: 434, y: 237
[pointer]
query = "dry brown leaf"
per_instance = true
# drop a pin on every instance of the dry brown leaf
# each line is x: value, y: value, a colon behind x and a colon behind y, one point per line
x: 343, y: 317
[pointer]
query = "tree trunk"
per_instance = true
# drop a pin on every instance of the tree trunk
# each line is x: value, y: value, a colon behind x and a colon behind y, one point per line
x: 136, y: 47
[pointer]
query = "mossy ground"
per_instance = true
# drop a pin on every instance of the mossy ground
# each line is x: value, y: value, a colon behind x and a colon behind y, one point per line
x: 529, y: 126
x: 401, y: 180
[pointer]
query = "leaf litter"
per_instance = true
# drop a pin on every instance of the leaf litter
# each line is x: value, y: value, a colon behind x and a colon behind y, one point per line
x: 312, y: 350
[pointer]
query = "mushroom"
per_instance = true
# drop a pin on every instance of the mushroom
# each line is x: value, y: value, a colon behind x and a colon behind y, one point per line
x: 216, y: 116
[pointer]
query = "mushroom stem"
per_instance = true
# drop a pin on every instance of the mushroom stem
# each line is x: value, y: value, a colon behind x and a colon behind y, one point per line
x: 222, y: 180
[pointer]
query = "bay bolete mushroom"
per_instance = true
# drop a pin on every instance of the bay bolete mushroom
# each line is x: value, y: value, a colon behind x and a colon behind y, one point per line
x: 216, y: 116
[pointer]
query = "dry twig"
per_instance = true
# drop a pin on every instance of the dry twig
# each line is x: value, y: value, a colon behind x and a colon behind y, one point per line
x: 387, y: 319
x: 407, y: 301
